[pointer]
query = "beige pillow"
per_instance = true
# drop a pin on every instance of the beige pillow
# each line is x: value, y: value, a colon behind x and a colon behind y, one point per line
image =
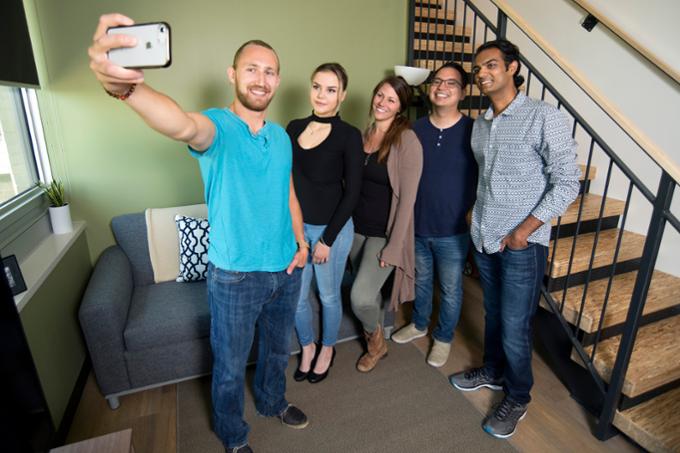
x: 161, y: 232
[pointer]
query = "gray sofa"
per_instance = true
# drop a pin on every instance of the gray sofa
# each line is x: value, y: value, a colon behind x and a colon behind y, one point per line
x: 142, y: 334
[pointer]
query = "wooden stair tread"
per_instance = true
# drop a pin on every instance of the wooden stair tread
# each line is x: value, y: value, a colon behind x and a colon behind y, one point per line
x: 592, y: 174
x: 435, y: 64
x: 631, y: 248
x: 434, y: 13
x: 654, y: 424
x: 441, y: 29
x: 592, y: 204
x: 664, y: 292
x: 653, y: 363
x: 434, y: 45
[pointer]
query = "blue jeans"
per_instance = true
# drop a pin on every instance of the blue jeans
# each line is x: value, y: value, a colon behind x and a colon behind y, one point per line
x: 447, y: 255
x: 328, y: 280
x: 240, y: 301
x: 511, y: 281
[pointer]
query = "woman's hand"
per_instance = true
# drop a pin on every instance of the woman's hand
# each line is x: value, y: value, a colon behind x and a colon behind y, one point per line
x: 321, y: 253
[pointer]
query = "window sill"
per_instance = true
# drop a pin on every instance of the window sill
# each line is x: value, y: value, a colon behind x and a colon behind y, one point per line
x: 42, y: 261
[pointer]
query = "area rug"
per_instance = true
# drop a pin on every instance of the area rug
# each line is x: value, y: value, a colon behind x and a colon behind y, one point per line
x: 404, y: 405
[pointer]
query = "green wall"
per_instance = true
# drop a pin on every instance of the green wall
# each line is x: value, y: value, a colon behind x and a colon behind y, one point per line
x: 50, y: 321
x: 114, y: 164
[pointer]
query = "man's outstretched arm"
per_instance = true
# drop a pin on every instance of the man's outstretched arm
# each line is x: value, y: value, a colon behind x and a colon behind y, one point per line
x: 158, y: 110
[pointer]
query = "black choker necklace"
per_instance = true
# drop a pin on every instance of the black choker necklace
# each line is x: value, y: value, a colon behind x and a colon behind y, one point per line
x: 325, y: 119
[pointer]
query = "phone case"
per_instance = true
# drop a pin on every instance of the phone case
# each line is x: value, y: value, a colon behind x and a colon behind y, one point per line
x: 152, y: 49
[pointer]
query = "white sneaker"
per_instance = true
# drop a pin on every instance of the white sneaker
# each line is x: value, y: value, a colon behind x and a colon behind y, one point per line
x: 439, y: 354
x: 408, y: 333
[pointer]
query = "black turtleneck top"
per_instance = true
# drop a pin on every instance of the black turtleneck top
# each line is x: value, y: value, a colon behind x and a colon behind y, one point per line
x: 327, y: 177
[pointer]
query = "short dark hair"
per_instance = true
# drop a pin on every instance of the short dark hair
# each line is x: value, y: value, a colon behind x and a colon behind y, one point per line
x: 255, y: 42
x: 335, y: 68
x: 510, y: 53
x: 464, y: 76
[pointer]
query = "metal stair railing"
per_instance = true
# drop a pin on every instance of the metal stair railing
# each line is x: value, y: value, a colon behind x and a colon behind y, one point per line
x: 660, y: 200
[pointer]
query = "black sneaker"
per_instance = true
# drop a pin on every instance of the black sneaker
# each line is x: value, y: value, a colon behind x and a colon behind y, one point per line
x: 242, y: 449
x: 293, y: 417
x: 503, y: 422
x: 474, y: 379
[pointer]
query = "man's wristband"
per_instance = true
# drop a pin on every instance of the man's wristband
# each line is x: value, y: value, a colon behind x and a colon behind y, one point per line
x: 123, y: 96
x: 302, y: 244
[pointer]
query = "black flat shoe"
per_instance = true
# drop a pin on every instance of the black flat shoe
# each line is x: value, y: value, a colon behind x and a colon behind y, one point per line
x: 300, y: 376
x: 314, y: 378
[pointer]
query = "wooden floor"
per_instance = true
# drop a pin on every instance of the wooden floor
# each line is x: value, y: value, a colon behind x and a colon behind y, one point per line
x: 554, y: 422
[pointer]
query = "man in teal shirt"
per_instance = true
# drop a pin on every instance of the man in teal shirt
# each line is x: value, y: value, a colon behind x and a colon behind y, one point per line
x: 255, y: 222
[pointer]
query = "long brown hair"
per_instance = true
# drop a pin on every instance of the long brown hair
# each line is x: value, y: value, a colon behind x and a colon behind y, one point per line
x: 400, y: 122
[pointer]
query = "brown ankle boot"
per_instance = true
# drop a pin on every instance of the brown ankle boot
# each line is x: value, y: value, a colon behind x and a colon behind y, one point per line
x: 377, y: 349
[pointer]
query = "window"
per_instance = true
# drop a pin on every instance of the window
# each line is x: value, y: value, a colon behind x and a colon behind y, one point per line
x: 23, y: 162
x: 20, y: 166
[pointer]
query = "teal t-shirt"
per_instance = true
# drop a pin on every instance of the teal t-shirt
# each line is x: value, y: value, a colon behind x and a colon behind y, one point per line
x: 246, y: 178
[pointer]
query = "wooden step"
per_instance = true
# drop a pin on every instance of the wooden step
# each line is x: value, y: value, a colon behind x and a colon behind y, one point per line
x: 433, y: 3
x: 592, y: 204
x: 441, y: 29
x: 434, y: 45
x: 434, y: 13
x: 664, y: 293
x: 654, y: 424
x: 592, y: 174
x: 655, y: 360
x: 631, y: 248
x: 435, y: 64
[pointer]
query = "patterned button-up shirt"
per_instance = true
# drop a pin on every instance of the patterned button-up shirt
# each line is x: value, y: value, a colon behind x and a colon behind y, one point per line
x: 527, y: 165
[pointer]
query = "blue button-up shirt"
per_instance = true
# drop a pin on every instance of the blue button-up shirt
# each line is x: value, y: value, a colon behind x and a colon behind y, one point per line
x: 527, y: 166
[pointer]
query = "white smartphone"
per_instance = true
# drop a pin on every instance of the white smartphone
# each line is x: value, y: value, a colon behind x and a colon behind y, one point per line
x: 152, y: 49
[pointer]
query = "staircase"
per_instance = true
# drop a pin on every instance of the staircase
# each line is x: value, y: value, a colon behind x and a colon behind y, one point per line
x: 590, y: 305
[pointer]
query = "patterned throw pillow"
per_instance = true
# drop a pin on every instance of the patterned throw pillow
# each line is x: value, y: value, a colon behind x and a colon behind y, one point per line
x: 193, y: 248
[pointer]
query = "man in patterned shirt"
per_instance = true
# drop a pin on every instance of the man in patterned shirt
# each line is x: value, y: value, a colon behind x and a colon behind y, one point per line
x: 527, y: 176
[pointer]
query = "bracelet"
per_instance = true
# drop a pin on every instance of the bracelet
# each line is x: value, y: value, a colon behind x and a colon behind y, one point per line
x: 303, y: 243
x: 123, y: 96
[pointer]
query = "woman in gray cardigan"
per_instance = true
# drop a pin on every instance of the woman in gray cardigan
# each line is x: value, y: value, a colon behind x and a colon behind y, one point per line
x: 383, y: 218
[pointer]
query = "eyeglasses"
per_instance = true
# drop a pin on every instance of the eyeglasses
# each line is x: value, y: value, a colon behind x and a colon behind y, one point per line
x: 449, y: 83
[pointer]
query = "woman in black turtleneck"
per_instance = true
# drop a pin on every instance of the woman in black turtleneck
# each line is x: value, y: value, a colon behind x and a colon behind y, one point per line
x: 327, y: 173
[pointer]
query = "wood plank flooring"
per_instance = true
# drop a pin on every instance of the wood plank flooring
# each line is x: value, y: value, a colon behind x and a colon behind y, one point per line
x: 555, y: 422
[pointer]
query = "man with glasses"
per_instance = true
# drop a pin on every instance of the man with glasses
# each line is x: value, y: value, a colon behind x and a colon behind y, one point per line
x: 445, y: 195
x: 527, y: 176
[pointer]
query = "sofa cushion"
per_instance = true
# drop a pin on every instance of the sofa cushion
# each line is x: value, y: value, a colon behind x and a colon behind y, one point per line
x: 167, y: 313
x: 130, y: 233
x: 193, y: 248
x: 162, y: 238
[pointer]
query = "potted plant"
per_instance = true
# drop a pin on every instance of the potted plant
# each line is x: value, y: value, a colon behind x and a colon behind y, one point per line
x: 60, y: 214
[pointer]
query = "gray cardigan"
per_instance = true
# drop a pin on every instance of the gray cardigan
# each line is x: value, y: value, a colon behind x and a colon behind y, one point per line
x: 404, y: 166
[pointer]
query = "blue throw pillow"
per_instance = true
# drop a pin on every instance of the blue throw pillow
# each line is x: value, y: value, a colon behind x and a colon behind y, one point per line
x: 193, y: 248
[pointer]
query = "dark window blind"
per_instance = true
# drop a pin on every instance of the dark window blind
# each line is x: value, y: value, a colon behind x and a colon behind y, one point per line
x: 17, y: 65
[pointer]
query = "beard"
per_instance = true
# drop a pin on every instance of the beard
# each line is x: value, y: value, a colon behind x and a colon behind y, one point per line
x: 257, y: 104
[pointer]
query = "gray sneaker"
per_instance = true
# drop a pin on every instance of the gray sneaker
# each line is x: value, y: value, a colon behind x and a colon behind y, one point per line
x: 503, y: 422
x: 474, y: 379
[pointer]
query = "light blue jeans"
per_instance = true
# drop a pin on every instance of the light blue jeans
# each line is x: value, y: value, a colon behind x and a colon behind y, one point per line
x: 446, y: 255
x: 328, y: 280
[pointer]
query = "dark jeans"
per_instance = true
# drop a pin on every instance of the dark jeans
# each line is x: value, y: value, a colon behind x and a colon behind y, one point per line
x: 240, y: 301
x: 511, y: 281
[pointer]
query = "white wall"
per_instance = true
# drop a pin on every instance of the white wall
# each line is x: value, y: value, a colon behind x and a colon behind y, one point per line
x: 641, y: 92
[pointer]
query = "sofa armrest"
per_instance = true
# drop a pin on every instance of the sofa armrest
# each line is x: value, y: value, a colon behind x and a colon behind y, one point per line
x: 103, y: 315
